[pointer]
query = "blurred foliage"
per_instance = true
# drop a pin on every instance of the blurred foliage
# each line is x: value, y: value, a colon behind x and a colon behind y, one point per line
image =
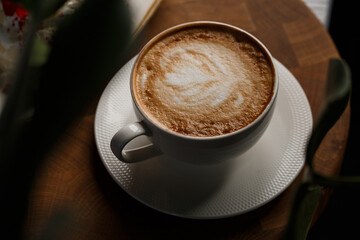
x: 337, y: 95
x: 42, y: 9
x: 52, y: 85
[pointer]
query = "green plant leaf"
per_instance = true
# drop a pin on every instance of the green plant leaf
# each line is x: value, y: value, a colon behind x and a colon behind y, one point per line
x: 303, y: 209
x: 336, y: 99
x: 338, y: 90
x: 337, y: 95
x: 338, y: 181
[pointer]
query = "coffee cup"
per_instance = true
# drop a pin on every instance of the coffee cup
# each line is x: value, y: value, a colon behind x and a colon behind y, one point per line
x: 202, y: 92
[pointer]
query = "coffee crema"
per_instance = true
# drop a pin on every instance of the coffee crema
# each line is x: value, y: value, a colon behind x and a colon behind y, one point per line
x: 203, y: 81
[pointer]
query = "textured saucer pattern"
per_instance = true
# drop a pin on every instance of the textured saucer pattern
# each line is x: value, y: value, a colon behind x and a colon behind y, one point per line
x: 216, y: 191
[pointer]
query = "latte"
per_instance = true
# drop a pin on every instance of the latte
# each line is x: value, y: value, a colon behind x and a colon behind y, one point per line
x: 203, y: 81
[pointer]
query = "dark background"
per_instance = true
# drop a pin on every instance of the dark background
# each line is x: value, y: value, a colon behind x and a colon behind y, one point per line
x: 340, y: 220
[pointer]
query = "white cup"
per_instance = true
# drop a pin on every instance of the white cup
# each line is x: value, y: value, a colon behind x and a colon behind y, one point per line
x: 198, y: 150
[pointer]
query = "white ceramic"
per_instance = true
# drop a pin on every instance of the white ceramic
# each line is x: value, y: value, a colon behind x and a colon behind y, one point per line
x: 197, y: 150
x: 209, y: 191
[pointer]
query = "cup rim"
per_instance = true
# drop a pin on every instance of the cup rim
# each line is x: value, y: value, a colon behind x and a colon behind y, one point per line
x: 170, y: 30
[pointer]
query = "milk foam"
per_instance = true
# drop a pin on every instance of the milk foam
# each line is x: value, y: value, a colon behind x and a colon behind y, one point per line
x: 203, y: 86
x: 203, y: 76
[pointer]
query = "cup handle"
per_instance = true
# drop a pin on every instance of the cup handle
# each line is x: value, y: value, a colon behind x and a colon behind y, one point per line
x: 124, y: 136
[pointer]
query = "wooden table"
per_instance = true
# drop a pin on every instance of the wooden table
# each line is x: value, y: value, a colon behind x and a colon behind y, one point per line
x: 73, y: 176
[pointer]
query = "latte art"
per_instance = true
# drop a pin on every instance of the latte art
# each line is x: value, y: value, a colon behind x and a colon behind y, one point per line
x: 204, y: 82
x: 203, y: 77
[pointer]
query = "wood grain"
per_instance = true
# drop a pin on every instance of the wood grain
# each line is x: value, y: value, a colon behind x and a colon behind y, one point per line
x: 74, y: 178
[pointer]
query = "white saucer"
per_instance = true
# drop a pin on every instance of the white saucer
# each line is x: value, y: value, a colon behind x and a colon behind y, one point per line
x: 217, y: 191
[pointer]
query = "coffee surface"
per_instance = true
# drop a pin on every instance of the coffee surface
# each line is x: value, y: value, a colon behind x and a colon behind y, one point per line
x: 204, y: 81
